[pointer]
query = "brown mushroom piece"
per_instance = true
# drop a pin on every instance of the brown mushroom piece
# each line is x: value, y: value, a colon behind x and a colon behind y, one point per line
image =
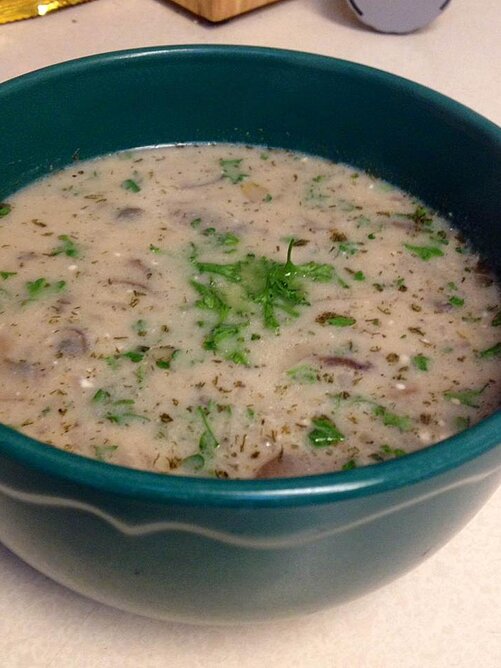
x: 71, y: 342
x: 22, y: 368
x: 129, y: 213
x: 140, y: 266
x: 442, y: 307
x: 287, y: 466
x: 348, y: 362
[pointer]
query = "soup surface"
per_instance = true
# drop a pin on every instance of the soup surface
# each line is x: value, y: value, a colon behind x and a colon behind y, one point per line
x: 238, y: 312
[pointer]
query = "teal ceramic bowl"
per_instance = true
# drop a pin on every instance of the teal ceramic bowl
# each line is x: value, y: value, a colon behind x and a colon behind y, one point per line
x: 221, y: 551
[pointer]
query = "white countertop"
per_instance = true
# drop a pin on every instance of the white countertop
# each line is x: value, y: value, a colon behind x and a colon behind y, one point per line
x: 444, y: 614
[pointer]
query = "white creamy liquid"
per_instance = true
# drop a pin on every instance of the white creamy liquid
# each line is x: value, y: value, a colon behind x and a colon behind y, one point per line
x: 149, y: 316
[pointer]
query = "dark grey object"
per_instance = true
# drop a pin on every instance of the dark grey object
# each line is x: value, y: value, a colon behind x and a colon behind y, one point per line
x: 397, y: 16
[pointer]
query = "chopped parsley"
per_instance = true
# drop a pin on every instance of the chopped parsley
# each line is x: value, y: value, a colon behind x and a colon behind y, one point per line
x: 456, y: 301
x: 304, y: 374
x: 400, y: 422
x: 41, y: 287
x: 492, y: 352
x: 386, y: 452
x: 5, y: 209
x: 208, y: 442
x: 325, y: 432
x: 231, y: 170
x: 465, y: 397
x: 335, y: 319
x: 424, y: 252
x: 421, y: 362
x: 131, y: 185
x: 68, y: 247
x: 5, y: 275
x: 104, y: 452
x: 117, y: 411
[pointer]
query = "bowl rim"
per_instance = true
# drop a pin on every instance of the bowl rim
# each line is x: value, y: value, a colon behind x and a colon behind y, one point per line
x: 424, y: 464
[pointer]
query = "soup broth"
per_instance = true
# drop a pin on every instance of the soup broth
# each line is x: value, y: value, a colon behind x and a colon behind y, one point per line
x: 239, y: 312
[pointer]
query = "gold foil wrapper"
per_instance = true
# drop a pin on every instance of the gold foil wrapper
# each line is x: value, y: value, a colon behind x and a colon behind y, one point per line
x: 15, y: 10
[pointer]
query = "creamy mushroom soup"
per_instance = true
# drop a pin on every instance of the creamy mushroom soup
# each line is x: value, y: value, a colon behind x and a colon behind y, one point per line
x: 238, y: 312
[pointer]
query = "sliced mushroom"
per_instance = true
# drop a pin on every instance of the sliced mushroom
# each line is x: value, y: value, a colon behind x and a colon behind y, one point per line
x: 129, y: 213
x: 22, y: 368
x: 139, y: 265
x: 26, y: 257
x: 348, y: 362
x: 71, y: 342
x: 287, y: 466
x: 442, y: 307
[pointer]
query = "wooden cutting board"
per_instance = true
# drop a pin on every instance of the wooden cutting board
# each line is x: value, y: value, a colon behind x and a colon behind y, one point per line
x: 220, y: 10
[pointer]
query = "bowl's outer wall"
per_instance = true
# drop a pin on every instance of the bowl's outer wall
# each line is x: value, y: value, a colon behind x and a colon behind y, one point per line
x: 244, y: 561
x: 222, y: 565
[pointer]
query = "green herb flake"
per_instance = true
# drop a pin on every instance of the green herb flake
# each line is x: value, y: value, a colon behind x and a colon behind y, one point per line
x: 193, y: 463
x: 424, y: 252
x: 211, y: 299
x: 35, y: 288
x: 456, y: 301
x: 400, y: 422
x: 461, y: 423
x: 421, y: 362
x: 5, y: 275
x: 104, y: 452
x: 491, y: 353
x: 101, y: 396
x: 131, y: 185
x: 134, y: 356
x: 465, y: 397
x: 359, y: 276
x: 5, y: 209
x: 304, y: 374
x: 228, y: 239
x: 208, y: 442
x: 231, y: 170
x: 220, y: 333
x: 154, y: 249
x: 392, y: 452
x: 140, y: 327
x: 166, y: 361
x: 195, y: 223
x: 349, y: 465
x: 229, y: 271
x: 420, y: 216
x: 112, y: 361
x: 124, y: 418
x: 41, y: 287
x: 68, y: 247
x: 237, y: 357
x: 349, y: 247
x: 335, y: 319
x: 496, y: 321
x: 325, y: 432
